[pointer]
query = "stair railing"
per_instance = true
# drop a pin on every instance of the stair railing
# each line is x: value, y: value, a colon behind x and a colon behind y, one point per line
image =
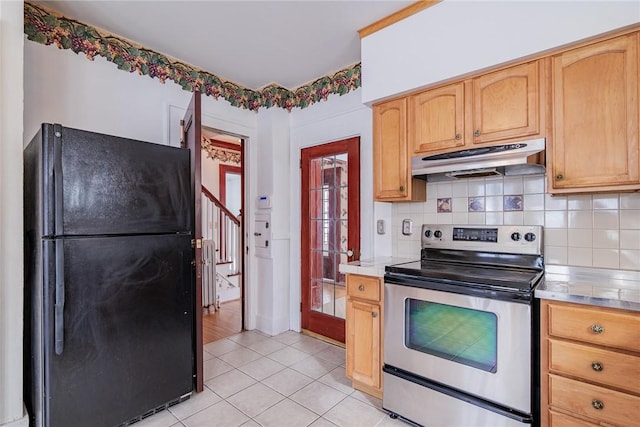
x: 223, y: 227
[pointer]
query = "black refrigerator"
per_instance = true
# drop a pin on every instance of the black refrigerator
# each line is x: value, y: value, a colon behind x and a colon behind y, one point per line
x: 108, y: 278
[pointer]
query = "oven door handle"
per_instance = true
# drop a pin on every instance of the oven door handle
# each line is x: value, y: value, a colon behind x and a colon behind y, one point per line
x: 462, y: 288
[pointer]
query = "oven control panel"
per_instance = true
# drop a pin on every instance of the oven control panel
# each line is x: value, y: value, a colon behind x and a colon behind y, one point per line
x: 524, y: 239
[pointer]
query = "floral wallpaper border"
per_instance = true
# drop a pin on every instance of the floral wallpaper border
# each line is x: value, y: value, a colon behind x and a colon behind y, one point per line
x: 213, y: 152
x: 45, y: 27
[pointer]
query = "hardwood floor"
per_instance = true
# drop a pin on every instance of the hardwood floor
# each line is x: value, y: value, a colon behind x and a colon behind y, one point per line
x: 225, y: 322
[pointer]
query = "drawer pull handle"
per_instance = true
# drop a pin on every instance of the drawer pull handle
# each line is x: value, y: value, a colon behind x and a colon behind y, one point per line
x: 374, y: 314
x: 597, y: 404
x: 597, y: 329
x: 361, y: 288
x: 597, y: 366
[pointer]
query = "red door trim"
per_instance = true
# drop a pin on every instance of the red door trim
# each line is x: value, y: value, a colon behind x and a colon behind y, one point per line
x: 323, y: 324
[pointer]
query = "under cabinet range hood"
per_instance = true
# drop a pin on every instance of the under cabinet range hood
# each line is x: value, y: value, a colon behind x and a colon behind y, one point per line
x: 507, y: 159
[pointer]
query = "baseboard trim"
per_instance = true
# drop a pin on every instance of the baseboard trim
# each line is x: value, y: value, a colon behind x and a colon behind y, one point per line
x: 20, y: 422
x: 322, y: 338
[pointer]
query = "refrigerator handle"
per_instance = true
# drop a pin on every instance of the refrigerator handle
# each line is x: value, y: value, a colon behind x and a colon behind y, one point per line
x: 58, y: 323
x: 57, y: 180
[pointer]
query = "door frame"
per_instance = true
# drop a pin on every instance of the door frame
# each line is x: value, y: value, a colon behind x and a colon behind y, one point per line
x: 353, y: 159
x: 191, y: 138
x: 242, y: 170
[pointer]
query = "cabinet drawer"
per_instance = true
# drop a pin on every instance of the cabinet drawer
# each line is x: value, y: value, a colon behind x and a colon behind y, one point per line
x: 594, y: 364
x: 595, y: 325
x: 557, y: 419
x: 580, y: 398
x: 363, y: 287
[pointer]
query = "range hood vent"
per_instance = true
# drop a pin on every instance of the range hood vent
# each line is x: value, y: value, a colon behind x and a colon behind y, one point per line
x: 507, y: 159
x: 474, y: 173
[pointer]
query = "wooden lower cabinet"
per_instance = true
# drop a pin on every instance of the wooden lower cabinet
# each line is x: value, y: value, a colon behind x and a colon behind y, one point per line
x: 590, y: 365
x: 557, y: 419
x: 364, y: 333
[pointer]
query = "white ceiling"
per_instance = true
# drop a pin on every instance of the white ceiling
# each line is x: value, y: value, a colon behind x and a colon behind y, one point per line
x: 251, y: 43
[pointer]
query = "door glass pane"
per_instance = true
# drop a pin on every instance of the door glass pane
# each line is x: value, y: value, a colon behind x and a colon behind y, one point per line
x: 316, y: 295
x: 329, y: 234
x: 459, y: 334
x: 316, y: 204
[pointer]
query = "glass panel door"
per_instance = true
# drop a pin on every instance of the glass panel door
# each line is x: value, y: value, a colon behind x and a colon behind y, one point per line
x: 330, y: 232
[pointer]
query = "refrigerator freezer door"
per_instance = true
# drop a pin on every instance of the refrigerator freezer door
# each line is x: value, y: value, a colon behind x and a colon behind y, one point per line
x: 106, y: 185
x: 127, y: 321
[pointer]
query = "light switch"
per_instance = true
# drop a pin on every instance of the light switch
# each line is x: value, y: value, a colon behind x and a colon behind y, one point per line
x: 407, y: 227
x: 380, y: 226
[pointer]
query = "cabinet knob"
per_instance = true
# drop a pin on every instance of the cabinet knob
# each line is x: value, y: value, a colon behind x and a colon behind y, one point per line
x: 559, y: 177
x: 361, y: 288
x: 374, y: 314
x: 458, y: 136
x: 402, y: 188
x: 477, y: 132
x: 597, y: 404
x: 597, y: 329
x: 597, y: 366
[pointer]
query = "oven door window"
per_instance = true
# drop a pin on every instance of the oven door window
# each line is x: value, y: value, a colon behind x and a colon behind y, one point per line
x: 462, y: 335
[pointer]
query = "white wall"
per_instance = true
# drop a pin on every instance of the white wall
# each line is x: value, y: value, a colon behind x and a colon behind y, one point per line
x: 211, y: 177
x: 456, y: 37
x: 338, y: 118
x: 66, y: 88
x: 11, y: 270
x: 273, y: 166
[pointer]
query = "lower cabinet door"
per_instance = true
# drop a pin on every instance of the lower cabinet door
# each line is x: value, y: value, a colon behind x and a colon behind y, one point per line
x: 363, y: 343
x: 557, y: 419
x: 591, y: 401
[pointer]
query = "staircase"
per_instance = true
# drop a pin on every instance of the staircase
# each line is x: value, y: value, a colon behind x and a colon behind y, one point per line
x: 221, y: 232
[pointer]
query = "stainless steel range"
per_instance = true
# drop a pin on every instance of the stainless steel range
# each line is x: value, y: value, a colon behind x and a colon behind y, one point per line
x: 460, y: 340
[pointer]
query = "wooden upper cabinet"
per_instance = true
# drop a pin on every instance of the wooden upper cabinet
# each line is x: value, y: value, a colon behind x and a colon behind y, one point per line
x: 595, y: 117
x: 506, y: 104
x: 437, y: 119
x: 499, y: 106
x: 391, y: 168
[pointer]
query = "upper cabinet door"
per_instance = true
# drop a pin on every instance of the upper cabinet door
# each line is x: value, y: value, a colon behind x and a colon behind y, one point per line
x: 391, y: 169
x: 595, y: 117
x: 392, y: 179
x: 506, y: 104
x: 437, y: 119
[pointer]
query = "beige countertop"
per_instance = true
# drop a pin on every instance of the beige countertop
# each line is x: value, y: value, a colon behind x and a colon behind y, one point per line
x: 372, y: 267
x: 592, y: 286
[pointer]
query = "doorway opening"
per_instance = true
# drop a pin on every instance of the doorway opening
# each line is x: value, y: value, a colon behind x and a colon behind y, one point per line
x: 222, y: 209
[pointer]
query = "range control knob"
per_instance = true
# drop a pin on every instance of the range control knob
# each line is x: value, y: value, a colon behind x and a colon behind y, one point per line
x: 516, y: 236
x: 529, y: 237
x: 427, y: 233
x: 437, y: 234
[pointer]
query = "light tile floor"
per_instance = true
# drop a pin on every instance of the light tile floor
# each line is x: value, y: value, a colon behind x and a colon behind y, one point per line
x: 290, y: 379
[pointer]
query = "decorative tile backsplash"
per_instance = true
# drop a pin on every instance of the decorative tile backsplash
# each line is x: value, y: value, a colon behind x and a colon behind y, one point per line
x: 590, y: 230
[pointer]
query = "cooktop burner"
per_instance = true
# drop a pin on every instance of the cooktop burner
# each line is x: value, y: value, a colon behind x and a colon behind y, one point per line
x: 516, y: 279
x: 503, y: 262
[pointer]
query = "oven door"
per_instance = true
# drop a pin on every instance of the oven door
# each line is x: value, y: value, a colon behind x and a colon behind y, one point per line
x: 476, y: 345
